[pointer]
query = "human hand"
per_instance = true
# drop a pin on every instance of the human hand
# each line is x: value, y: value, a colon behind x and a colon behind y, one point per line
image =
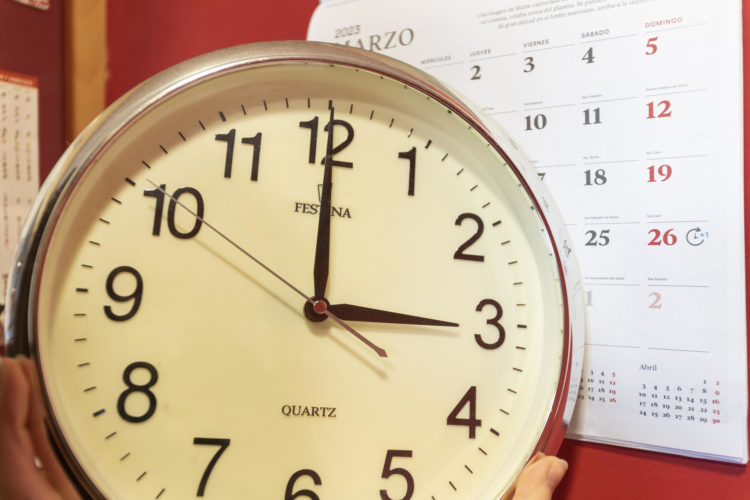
x: 24, y: 442
x: 538, y: 479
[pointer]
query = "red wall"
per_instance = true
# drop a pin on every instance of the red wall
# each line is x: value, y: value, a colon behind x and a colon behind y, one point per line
x: 146, y: 37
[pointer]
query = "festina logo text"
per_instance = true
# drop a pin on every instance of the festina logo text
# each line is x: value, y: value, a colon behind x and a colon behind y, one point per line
x: 314, y: 208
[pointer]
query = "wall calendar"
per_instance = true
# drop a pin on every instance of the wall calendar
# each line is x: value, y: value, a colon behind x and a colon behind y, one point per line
x: 631, y: 111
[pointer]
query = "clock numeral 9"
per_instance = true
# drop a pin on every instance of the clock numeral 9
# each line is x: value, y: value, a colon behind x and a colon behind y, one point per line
x: 223, y: 444
x: 144, y: 389
x: 159, y: 194
x: 254, y: 141
x: 290, y: 494
x: 459, y: 254
x: 472, y: 422
x: 494, y: 321
x: 135, y: 296
x: 398, y: 471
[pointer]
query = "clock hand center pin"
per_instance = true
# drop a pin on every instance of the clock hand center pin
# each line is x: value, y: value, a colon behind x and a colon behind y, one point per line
x: 308, y: 300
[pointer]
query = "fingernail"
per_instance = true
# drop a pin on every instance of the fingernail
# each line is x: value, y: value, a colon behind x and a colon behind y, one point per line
x: 556, y: 473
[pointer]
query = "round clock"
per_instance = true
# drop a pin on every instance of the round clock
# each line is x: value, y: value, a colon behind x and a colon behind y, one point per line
x: 301, y: 271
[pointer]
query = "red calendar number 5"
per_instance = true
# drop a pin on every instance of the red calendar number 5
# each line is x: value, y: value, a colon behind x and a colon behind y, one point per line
x: 651, y: 47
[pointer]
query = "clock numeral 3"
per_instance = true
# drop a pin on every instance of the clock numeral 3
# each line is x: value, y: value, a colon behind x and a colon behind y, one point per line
x: 494, y: 321
x: 290, y: 494
x: 223, y: 444
x: 459, y: 254
x: 470, y: 399
x: 135, y: 296
x: 141, y: 388
x: 398, y: 471
x: 159, y: 194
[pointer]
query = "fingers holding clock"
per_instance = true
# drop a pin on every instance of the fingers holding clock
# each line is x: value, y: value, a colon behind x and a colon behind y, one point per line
x: 28, y: 465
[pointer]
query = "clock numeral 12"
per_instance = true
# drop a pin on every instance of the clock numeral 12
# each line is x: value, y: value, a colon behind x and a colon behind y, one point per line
x: 313, y: 126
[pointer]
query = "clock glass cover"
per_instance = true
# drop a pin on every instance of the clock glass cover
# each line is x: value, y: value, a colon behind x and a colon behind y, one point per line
x: 294, y: 270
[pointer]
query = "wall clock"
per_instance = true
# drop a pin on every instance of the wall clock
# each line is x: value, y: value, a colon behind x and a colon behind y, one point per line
x: 301, y: 271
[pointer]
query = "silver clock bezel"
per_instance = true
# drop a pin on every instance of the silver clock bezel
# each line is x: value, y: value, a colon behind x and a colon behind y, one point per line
x: 107, y: 127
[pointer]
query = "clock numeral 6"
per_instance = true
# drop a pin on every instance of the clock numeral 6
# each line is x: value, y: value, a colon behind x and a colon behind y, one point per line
x: 223, y: 444
x: 398, y: 471
x: 290, y: 494
x: 159, y: 194
x: 494, y: 321
x: 472, y: 422
x: 460, y: 253
x: 135, y: 296
x: 144, y: 389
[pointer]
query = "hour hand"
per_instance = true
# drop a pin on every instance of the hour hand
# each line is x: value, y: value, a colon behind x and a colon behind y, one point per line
x: 349, y: 312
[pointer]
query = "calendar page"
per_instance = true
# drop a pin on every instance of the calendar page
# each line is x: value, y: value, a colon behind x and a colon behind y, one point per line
x: 19, y: 161
x: 631, y: 111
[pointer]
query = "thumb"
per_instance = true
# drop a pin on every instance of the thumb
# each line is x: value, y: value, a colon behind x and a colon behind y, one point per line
x: 539, y: 480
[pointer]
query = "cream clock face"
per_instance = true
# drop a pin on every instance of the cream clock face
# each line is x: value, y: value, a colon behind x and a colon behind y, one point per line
x: 298, y: 278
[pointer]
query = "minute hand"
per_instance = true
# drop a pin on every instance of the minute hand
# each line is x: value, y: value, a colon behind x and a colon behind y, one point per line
x: 349, y: 312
